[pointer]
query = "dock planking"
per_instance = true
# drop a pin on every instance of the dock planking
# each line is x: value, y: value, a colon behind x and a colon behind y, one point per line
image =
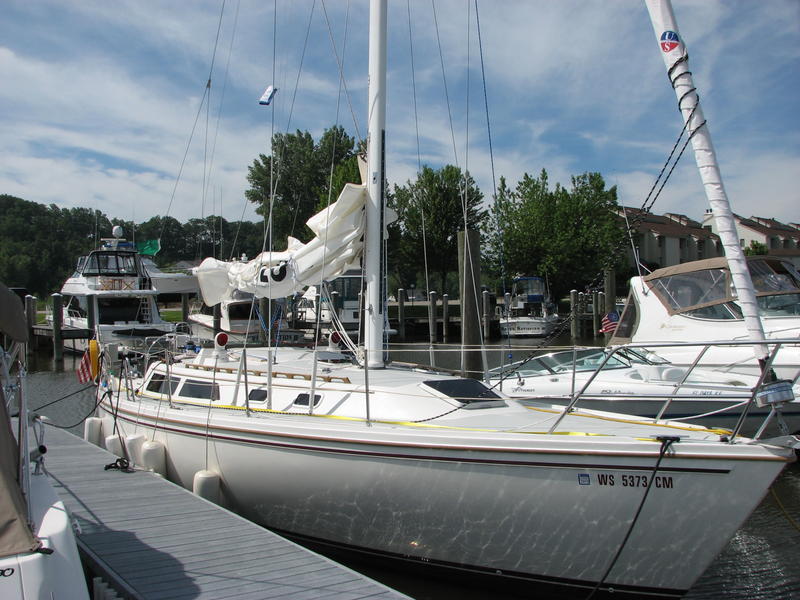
x: 152, y: 539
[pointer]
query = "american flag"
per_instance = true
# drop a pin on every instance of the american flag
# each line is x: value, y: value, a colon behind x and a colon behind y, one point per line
x: 609, y: 322
x: 85, y: 369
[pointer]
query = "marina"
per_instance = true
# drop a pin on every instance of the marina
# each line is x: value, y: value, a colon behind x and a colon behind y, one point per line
x: 232, y: 453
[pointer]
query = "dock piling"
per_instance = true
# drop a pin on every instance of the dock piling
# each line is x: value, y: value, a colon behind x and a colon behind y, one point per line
x: 58, y: 316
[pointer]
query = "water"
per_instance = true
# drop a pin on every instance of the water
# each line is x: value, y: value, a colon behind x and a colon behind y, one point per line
x: 761, y: 562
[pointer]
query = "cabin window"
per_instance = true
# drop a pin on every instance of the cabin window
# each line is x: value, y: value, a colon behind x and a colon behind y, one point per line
x: 115, y: 310
x: 241, y: 311
x: 463, y: 390
x: 158, y: 384
x: 302, y: 400
x: 204, y: 390
x: 257, y: 395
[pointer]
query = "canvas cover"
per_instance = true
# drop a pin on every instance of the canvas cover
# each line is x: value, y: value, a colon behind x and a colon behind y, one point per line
x: 12, y: 316
x: 15, y: 535
x: 336, y: 247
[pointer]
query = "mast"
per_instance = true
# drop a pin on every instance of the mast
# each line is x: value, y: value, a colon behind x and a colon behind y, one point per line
x: 373, y: 265
x: 676, y: 60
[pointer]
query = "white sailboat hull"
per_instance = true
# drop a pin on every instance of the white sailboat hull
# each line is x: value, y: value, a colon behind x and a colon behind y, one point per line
x: 547, y: 508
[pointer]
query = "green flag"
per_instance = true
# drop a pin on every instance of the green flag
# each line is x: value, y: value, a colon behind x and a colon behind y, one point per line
x: 149, y: 247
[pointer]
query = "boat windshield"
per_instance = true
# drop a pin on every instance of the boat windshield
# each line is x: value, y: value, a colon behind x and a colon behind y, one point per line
x: 110, y: 263
x: 562, y: 362
x: 777, y: 285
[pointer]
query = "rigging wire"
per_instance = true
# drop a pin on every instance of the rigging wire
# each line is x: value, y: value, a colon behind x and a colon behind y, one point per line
x: 417, y: 191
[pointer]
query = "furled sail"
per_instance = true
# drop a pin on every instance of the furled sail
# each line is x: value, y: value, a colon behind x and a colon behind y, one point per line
x: 337, y: 245
x: 675, y: 59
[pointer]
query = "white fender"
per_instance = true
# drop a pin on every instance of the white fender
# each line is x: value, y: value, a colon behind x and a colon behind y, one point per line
x: 206, y: 485
x: 154, y: 457
x: 93, y: 430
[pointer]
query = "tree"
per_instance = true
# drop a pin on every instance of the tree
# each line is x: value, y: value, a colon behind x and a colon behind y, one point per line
x: 431, y: 211
x: 756, y: 249
x: 300, y: 172
x: 570, y: 236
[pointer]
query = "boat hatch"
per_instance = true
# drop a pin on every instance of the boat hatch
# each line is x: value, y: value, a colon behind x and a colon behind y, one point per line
x: 257, y: 395
x: 302, y: 400
x: 196, y: 388
x: 158, y: 384
x: 473, y: 393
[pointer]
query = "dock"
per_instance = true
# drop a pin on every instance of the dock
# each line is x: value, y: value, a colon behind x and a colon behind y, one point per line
x: 151, y: 539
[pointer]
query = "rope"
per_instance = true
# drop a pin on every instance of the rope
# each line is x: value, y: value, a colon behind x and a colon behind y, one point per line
x: 666, y: 442
x: 786, y: 514
x: 89, y: 414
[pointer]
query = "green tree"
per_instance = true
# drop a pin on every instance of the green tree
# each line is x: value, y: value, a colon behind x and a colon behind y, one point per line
x: 756, y: 249
x: 568, y: 235
x: 431, y: 211
x: 300, y: 172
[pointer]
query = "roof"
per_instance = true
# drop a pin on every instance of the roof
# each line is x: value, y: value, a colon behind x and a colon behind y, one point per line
x: 673, y: 225
x: 768, y: 227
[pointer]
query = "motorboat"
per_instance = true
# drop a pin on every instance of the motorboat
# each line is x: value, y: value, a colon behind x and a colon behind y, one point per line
x: 112, y: 294
x: 38, y: 553
x: 636, y: 380
x: 339, y: 446
x: 530, y: 312
x: 240, y: 318
x: 339, y: 302
x: 697, y: 302
x: 169, y: 282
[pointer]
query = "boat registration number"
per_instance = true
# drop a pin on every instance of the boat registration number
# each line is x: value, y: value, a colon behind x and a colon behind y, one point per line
x: 640, y: 481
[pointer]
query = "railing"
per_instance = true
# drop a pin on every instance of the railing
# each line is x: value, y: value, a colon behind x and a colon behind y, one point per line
x: 766, y: 377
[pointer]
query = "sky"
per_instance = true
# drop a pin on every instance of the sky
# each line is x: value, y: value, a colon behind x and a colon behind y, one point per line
x: 103, y: 104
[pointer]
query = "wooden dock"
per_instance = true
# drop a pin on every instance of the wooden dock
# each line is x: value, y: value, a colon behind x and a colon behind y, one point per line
x: 151, y: 539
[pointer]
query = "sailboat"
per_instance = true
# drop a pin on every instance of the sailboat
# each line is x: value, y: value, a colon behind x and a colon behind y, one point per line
x: 339, y: 447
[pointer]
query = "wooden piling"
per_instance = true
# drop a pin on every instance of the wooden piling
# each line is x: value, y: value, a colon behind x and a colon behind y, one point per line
x: 30, y: 320
x: 185, y: 307
x: 487, y: 315
x: 575, y: 316
x: 445, y: 316
x: 58, y: 318
x: 217, y: 318
x: 401, y: 314
x: 91, y: 312
x: 595, y: 313
x: 265, y: 308
x: 432, y: 316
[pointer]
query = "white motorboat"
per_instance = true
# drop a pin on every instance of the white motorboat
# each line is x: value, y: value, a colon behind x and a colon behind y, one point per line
x: 637, y: 381
x: 38, y: 554
x: 696, y: 302
x: 341, y: 448
x: 240, y: 318
x: 112, y: 293
x: 169, y: 281
x: 530, y: 312
x: 339, y: 304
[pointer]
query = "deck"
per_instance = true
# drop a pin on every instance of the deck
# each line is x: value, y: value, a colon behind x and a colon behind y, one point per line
x: 152, y: 539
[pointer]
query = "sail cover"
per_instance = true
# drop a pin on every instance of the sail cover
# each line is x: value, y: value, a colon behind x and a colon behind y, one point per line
x: 336, y: 246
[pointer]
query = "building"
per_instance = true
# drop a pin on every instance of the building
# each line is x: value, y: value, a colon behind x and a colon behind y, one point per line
x: 780, y: 239
x: 670, y: 239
